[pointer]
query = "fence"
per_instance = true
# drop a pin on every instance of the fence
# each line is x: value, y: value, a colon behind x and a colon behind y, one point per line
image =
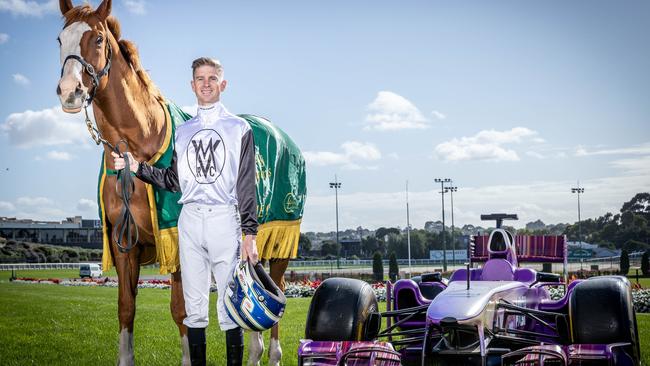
x: 36, y: 266
x: 343, y: 266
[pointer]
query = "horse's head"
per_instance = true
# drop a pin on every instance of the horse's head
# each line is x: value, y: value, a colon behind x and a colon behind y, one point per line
x: 85, y: 53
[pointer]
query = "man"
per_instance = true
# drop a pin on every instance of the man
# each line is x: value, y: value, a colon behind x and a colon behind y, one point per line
x: 214, y: 169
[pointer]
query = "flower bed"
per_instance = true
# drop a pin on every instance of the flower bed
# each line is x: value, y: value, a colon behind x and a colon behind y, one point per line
x: 640, y: 296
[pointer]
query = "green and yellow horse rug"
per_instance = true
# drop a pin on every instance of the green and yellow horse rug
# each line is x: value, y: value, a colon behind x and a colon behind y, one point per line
x: 281, y: 192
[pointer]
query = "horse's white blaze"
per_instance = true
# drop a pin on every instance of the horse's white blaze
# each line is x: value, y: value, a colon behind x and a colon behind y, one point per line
x: 70, y: 38
x: 126, y: 356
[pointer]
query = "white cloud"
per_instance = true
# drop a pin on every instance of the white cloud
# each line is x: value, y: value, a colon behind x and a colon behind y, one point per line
x: 46, y: 127
x: 633, y: 150
x: 4, y: 38
x: 59, y: 155
x: 29, y: 8
x: 6, y: 207
x: 549, y: 201
x: 47, y: 209
x: 438, y: 115
x: 635, y: 165
x: 135, y: 6
x: 85, y: 205
x: 353, y: 154
x: 21, y: 79
x: 34, y: 201
x: 535, y: 154
x: 485, y: 145
x: 390, y: 111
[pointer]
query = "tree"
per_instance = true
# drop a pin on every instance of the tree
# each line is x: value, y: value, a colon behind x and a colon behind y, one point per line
x: 369, y: 245
x: 624, y: 263
x: 330, y: 248
x: 645, y: 263
x: 304, y: 244
x: 393, y: 268
x: 639, y: 204
x: 377, y: 267
x: 382, y: 232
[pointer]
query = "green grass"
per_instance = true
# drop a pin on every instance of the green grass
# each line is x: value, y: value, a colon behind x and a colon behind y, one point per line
x: 49, y: 324
x: 57, y: 325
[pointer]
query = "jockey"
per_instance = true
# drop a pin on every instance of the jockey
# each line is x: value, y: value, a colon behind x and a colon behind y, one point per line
x: 214, y: 169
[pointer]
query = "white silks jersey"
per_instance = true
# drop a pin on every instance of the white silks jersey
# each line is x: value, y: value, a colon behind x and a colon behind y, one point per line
x: 213, y: 164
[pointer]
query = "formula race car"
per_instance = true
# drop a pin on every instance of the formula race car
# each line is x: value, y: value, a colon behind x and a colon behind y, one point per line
x: 498, y: 314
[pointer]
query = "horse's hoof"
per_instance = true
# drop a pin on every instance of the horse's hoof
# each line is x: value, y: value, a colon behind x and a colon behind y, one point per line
x: 126, y: 361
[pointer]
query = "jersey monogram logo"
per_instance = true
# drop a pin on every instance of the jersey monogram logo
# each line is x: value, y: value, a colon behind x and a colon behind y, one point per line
x: 205, y: 163
x: 206, y: 156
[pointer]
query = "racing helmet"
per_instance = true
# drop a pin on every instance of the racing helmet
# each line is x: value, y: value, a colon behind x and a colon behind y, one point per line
x: 252, y: 299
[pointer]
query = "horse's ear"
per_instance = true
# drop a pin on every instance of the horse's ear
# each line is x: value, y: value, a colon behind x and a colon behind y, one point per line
x: 103, y: 10
x: 65, y: 5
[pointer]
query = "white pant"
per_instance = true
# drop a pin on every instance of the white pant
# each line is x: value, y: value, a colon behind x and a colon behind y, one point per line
x: 209, y: 239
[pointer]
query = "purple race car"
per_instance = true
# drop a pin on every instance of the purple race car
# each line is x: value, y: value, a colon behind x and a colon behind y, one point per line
x: 498, y: 314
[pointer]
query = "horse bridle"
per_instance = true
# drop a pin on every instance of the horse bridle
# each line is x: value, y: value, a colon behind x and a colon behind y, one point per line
x: 90, y: 70
x: 125, y: 224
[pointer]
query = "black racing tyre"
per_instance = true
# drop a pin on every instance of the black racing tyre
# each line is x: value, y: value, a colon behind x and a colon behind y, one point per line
x: 343, y: 309
x: 602, y: 312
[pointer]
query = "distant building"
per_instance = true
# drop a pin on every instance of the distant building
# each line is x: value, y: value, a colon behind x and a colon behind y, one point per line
x: 578, y: 249
x: 73, y: 231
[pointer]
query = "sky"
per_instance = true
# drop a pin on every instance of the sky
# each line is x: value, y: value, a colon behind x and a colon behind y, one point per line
x: 515, y: 101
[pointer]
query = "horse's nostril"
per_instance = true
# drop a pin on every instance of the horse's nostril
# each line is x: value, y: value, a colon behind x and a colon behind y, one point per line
x: 78, y: 90
x: 58, y: 90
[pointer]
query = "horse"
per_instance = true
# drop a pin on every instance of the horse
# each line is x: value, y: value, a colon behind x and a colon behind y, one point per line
x: 126, y: 105
x: 100, y: 68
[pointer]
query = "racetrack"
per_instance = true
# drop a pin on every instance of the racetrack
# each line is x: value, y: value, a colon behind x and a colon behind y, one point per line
x: 58, y: 325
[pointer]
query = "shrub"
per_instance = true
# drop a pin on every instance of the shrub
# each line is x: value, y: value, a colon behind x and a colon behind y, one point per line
x: 624, y: 264
x: 645, y: 263
x: 393, y: 268
x: 377, y: 267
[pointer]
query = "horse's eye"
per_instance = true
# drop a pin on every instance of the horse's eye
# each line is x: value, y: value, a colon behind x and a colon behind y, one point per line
x: 58, y: 40
x: 100, y: 40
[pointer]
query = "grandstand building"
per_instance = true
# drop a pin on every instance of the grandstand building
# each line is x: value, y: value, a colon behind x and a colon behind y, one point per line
x: 73, y: 231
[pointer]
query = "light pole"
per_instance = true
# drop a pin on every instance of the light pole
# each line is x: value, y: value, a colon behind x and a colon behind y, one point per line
x: 451, y: 191
x: 579, y: 190
x: 336, y: 185
x: 408, y: 227
x: 442, y: 182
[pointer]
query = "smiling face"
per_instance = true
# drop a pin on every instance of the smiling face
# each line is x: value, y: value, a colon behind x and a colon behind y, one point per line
x: 207, y: 84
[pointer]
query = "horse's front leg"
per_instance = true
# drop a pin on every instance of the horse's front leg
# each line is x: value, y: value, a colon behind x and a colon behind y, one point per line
x: 177, y: 306
x: 277, y: 269
x: 128, y: 272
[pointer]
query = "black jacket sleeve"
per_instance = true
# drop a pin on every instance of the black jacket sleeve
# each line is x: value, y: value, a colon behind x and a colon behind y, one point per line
x: 246, y: 188
x: 166, y: 178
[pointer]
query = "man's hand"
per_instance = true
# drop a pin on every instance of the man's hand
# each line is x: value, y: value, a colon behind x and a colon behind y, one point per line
x: 118, y: 161
x: 249, y: 249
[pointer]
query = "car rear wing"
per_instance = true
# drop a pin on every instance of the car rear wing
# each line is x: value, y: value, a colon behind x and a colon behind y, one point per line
x: 529, y: 248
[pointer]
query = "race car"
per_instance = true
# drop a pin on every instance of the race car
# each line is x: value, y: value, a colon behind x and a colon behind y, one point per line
x: 497, y: 314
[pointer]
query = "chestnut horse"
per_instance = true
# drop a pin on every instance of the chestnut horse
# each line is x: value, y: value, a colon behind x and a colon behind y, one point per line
x: 126, y: 106
x: 101, y: 69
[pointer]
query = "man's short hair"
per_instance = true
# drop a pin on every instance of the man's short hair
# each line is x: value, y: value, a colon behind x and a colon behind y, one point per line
x: 209, y: 61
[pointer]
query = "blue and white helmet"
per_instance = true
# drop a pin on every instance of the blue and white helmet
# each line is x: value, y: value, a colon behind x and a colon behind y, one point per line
x: 253, y: 300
